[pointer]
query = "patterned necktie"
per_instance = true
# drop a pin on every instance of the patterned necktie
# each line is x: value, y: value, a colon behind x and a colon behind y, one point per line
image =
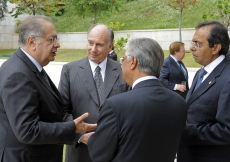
x: 200, y: 78
x: 99, y: 83
x: 182, y: 69
x: 44, y: 74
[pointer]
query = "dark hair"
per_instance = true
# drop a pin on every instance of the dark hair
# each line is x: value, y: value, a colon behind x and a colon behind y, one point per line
x: 218, y: 35
x: 175, y: 47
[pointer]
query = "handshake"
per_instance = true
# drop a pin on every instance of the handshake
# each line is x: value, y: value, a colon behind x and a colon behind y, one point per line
x: 82, y: 126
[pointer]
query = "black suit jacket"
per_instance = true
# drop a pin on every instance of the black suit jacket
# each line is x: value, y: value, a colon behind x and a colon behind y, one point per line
x: 171, y: 74
x: 31, y: 114
x: 139, y: 125
x: 206, y: 135
x: 113, y: 56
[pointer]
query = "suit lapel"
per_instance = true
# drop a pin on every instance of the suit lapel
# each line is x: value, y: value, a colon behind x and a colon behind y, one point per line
x: 173, y: 62
x: 23, y: 56
x: 85, y: 74
x: 206, y: 84
x: 111, y: 76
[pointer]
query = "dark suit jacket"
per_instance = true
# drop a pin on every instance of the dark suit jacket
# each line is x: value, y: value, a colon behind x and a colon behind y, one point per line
x: 139, y: 125
x: 206, y: 137
x: 113, y: 56
x: 171, y: 74
x: 31, y: 114
x: 79, y: 93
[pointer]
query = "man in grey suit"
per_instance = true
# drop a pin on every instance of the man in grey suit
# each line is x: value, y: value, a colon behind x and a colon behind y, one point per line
x: 79, y: 88
x: 33, y: 123
x: 144, y: 124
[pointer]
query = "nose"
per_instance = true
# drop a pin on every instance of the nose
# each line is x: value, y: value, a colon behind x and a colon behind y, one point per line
x: 192, y: 47
x: 93, y: 47
x: 56, y: 44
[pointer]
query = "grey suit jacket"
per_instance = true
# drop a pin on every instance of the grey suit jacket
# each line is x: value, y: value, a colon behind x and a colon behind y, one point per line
x: 31, y: 114
x: 79, y: 93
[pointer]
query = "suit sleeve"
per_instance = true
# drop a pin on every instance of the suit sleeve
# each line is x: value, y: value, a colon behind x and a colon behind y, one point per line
x: 164, y: 76
x: 213, y: 133
x: 102, y: 144
x: 22, y: 103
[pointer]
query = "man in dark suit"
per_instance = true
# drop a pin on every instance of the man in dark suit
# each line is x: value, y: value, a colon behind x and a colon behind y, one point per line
x: 112, y: 54
x: 174, y: 74
x: 144, y: 124
x: 32, y: 127
x: 207, y: 132
x: 78, y: 84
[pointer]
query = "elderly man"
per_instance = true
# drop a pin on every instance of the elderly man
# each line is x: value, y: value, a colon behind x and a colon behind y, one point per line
x: 85, y: 84
x: 144, y: 124
x: 207, y: 132
x: 31, y: 111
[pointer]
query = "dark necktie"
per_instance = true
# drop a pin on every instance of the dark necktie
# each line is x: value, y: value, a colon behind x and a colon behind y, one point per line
x: 99, y: 83
x: 182, y: 69
x: 200, y: 78
x: 44, y: 74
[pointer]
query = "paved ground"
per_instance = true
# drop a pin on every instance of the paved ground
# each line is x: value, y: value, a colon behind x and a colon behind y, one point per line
x: 54, y: 71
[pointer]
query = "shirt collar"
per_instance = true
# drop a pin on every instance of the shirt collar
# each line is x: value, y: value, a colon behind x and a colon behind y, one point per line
x: 38, y: 66
x: 143, y: 79
x: 102, y: 65
x: 211, y: 66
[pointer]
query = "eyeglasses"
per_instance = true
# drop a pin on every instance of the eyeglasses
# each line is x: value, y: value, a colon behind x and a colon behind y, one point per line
x: 197, y: 44
x: 52, y: 40
x: 123, y: 58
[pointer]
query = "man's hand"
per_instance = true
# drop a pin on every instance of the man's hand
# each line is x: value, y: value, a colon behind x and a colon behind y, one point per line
x: 181, y: 88
x: 83, y: 127
x: 85, y: 138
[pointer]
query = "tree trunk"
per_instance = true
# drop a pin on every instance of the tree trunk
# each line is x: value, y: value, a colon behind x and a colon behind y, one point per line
x: 180, y: 22
x: 95, y: 13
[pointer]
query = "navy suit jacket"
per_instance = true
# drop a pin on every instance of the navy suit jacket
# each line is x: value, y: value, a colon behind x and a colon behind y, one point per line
x: 139, y: 125
x: 207, y: 134
x: 171, y: 74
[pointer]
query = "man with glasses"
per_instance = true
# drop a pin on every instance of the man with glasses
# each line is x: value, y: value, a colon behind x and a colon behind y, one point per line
x: 144, y: 124
x: 207, y: 132
x: 33, y: 123
x: 86, y: 83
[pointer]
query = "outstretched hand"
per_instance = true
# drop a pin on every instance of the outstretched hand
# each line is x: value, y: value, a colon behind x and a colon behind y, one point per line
x: 82, y: 126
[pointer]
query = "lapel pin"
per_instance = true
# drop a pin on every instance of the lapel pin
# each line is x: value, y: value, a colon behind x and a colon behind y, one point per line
x: 210, y: 82
x: 114, y: 75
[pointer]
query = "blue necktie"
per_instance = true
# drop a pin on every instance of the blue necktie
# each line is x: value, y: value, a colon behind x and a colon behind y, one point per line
x: 182, y: 69
x: 200, y: 78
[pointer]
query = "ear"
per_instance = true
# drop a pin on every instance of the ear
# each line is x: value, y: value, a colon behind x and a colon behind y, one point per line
x: 31, y: 42
x: 216, y: 49
x: 133, y: 63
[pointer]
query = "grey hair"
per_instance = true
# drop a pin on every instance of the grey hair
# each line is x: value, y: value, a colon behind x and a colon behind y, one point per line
x: 33, y: 26
x: 110, y: 32
x: 149, y: 54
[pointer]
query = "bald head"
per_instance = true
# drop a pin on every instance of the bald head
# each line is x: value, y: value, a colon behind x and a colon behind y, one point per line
x: 106, y: 28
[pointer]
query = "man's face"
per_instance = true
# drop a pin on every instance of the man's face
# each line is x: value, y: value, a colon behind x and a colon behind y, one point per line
x: 180, y: 54
x: 201, y: 51
x: 125, y: 66
x: 46, y: 49
x: 98, y: 45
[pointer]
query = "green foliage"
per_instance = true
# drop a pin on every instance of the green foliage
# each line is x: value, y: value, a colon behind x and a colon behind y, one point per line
x: 18, y: 23
x: 137, y: 15
x: 93, y: 7
x: 221, y: 12
x: 3, y: 9
x: 116, y: 25
x: 37, y: 7
x: 120, y: 43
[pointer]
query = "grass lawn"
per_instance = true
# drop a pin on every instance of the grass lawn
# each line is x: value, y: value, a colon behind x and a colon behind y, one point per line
x: 68, y: 55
